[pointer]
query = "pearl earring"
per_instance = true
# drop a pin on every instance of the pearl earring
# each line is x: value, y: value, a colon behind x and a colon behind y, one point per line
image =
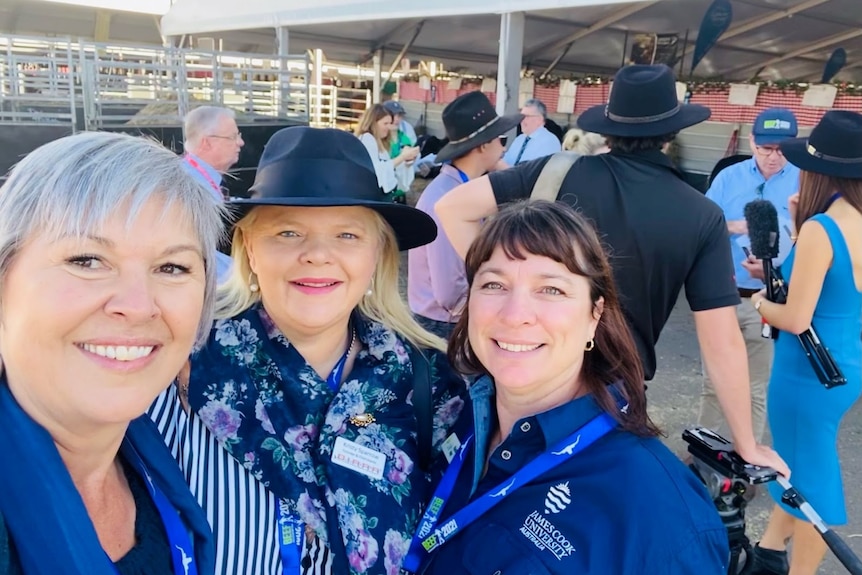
x: 252, y: 283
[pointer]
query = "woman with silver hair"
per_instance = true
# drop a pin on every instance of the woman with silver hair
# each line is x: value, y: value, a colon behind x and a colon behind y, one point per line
x: 309, y: 420
x: 106, y: 283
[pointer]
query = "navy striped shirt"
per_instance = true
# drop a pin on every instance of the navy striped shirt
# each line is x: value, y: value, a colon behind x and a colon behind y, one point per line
x: 242, y: 512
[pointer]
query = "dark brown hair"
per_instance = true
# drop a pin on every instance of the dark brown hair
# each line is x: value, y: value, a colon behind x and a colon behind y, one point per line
x: 815, y: 191
x: 629, y: 145
x: 556, y: 231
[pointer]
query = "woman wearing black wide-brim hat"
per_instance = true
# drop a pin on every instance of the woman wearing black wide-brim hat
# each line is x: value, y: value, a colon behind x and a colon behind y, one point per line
x: 311, y: 403
x: 825, y: 273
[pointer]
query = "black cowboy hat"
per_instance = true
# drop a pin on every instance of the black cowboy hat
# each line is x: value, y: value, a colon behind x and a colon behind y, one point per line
x: 470, y: 121
x: 324, y: 167
x: 834, y: 147
x: 643, y: 104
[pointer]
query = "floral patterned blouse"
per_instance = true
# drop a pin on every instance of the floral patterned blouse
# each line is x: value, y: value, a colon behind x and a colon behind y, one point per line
x: 272, y: 412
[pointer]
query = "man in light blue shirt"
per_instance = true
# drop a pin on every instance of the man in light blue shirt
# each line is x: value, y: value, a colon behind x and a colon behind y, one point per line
x: 535, y: 140
x: 765, y: 176
x: 212, y: 143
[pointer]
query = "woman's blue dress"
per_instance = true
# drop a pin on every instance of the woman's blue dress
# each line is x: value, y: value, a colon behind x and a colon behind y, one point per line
x: 804, y: 416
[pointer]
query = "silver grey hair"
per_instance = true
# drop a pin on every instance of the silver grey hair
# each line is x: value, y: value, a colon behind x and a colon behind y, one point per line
x: 538, y: 105
x: 202, y: 121
x: 72, y: 186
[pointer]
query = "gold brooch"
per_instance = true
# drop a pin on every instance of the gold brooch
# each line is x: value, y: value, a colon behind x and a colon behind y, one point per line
x: 362, y: 420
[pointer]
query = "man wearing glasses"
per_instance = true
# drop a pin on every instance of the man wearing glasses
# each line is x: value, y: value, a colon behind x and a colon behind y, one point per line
x: 535, y: 140
x: 212, y: 143
x: 765, y: 176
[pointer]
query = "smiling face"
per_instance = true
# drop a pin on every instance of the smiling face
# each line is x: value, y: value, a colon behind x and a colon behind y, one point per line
x: 313, y: 265
x: 530, y: 321
x: 94, y: 328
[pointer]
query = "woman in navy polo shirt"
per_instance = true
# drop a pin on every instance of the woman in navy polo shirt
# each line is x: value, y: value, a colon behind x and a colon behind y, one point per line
x: 558, y: 470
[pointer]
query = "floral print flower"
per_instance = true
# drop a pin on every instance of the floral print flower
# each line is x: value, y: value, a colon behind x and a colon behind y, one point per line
x: 395, y: 548
x: 221, y: 419
x: 262, y: 416
x: 362, y: 551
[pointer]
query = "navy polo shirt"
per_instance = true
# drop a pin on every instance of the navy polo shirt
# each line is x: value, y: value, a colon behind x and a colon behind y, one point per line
x: 624, y: 505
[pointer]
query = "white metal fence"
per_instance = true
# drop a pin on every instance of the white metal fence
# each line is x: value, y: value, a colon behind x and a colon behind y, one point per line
x: 96, y: 85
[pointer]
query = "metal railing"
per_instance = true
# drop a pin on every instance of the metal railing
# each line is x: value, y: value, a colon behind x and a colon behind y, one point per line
x: 37, y: 81
x: 119, y: 84
x: 338, y: 107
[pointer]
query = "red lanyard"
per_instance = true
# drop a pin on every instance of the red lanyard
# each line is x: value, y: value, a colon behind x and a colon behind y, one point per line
x: 204, y: 173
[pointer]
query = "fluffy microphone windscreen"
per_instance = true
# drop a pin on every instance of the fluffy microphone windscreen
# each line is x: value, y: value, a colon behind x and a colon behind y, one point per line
x: 762, y: 220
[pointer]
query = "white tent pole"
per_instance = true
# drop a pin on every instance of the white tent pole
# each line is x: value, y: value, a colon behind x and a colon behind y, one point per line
x: 282, y: 40
x: 377, y: 62
x: 509, y: 61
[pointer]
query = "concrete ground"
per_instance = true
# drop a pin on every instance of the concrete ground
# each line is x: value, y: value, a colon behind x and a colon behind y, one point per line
x: 674, y: 396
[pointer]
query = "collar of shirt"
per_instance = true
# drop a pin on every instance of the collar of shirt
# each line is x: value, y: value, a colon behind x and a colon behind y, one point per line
x: 789, y: 170
x: 450, y: 171
x: 651, y: 156
x: 213, y: 173
x: 555, y: 424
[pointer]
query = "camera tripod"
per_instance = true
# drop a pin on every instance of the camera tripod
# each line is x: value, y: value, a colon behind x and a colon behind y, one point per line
x: 727, y: 477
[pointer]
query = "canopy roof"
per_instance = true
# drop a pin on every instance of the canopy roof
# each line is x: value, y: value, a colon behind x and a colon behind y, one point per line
x: 789, y: 39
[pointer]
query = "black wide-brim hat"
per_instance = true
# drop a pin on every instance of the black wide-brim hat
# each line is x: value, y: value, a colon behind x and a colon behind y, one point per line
x: 834, y: 147
x: 322, y: 168
x: 643, y: 104
x: 470, y: 121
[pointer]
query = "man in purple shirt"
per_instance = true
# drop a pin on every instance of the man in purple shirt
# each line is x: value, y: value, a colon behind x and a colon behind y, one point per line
x: 436, y: 283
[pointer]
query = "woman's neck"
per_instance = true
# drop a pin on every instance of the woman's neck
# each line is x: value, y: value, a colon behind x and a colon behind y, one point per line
x: 515, y: 404
x: 321, y: 349
x: 87, y: 448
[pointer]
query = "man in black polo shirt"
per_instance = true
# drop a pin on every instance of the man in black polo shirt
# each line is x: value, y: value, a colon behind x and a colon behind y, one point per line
x: 662, y: 234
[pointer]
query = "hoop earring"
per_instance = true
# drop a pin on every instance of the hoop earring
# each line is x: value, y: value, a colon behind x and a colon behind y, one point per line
x: 590, y: 345
x: 252, y: 283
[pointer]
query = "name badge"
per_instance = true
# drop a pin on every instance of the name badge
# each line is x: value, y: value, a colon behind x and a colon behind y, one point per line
x: 358, y: 458
x: 450, y: 447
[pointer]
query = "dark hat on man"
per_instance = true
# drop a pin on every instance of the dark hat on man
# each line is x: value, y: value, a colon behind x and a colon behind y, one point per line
x: 470, y: 121
x: 773, y: 126
x: 324, y: 167
x: 643, y: 104
x: 834, y: 147
x: 394, y: 107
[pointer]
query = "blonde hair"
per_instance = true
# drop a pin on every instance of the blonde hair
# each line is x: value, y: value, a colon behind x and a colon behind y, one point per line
x: 384, y: 304
x: 369, y: 118
x: 585, y: 143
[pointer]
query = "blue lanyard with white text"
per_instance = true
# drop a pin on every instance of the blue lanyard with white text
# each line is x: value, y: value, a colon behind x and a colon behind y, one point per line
x: 429, y: 537
x: 182, y: 553
x: 291, y: 539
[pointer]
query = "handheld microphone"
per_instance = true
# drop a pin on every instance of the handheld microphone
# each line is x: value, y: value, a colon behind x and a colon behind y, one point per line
x: 761, y: 218
x: 762, y: 221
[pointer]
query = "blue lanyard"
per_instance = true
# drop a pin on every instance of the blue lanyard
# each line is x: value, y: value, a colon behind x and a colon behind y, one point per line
x: 334, y: 379
x: 429, y: 537
x: 291, y: 540
x: 182, y: 553
x: 291, y: 531
x: 461, y: 174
